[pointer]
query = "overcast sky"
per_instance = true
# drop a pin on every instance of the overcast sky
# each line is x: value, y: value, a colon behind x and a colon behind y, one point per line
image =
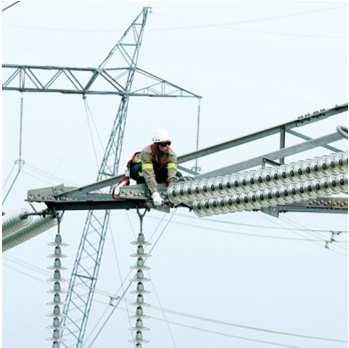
x: 256, y: 65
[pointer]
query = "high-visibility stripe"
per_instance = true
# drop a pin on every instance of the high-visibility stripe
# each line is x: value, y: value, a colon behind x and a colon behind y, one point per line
x: 147, y: 166
x: 171, y: 165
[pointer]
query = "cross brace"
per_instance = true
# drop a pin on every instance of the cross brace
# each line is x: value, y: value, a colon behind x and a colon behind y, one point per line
x: 83, y: 81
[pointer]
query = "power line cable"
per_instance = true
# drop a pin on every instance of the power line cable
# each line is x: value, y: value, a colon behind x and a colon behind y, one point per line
x: 9, y: 6
x: 218, y: 332
x: 226, y: 335
x: 301, y: 234
x: 260, y: 226
x: 94, y: 125
x: 50, y: 182
x: 164, y: 315
x: 90, y: 130
x: 245, y: 234
x: 293, y: 35
x: 49, y: 175
x: 248, y: 327
x: 201, y: 318
x: 162, y: 309
x: 129, y: 285
x: 29, y: 266
x: 221, y: 322
x: 199, y: 26
x: 246, y: 21
x: 9, y: 175
x: 24, y: 273
x: 326, y: 241
x: 120, y: 277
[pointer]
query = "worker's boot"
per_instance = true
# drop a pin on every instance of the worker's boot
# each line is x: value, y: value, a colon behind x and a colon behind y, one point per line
x: 125, y: 181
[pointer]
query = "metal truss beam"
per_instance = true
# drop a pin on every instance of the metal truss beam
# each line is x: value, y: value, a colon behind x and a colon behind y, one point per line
x: 288, y: 151
x: 137, y: 196
x: 299, y: 122
x: 77, y: 192
x: 36, y: 78
x: 315, y: 117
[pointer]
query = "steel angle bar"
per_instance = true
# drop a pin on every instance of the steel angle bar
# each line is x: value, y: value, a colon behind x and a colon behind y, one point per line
x: 32, y: 77
x: 189, y: 171
x: 305, y: 137
x: 11, y: 77
x: 299, y: 122
x: 282, y: 142
x: 327, y: 205
x: 308, y: 208
x: 47, y: 67
x: 165, y: 82
x: 288, y: 151
x: 74, y: 192
x: 99, y: 204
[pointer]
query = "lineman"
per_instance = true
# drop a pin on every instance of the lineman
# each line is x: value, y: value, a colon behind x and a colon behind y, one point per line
x: 156, y: 163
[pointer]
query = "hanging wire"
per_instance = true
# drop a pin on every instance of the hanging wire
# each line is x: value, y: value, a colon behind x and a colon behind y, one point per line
x: 22, y: 272
x: 259, y: 225
x: 87, y: 111
x: 326, y: 244
x: 40, y: 179
x: 99, y: 138
x: 246, y: 21
x: 22, y: 263
x: 49, y: 175
x: 192, y: 316
x: 19, y: 161
x: 213, y: 331
x: 165, y: 319
x: 185, y: 314
x: 128, y: 285
x: 248, y: 327
x: 9, y: 175
x: 130, y: 223
x: 303, y: 234
x: 246, y: 234
x: 122, y: 283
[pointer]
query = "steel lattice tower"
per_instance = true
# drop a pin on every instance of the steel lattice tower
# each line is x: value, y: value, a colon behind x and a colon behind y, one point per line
x: 103, y: 80
x: 87, y: 263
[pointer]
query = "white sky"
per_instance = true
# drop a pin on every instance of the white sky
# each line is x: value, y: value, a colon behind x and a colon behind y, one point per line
x: 256, y: 65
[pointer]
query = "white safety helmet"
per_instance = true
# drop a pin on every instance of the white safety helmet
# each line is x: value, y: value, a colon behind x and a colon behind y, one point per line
x: 161, y: 135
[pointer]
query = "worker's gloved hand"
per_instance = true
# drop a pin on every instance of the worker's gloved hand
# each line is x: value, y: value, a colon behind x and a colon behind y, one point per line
x: 157, y: 200
x: 171, y: 183
x: 125, y: 181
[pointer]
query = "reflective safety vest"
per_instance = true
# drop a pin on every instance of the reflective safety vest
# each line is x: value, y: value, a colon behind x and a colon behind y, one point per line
x: 154, y: 164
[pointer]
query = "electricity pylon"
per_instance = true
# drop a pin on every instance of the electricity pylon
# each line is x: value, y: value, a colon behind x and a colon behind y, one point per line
x: 106, y: 79
x: 88, y: 260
